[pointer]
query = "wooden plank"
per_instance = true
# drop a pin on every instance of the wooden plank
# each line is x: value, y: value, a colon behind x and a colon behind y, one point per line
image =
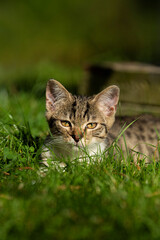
x: 139, y: 84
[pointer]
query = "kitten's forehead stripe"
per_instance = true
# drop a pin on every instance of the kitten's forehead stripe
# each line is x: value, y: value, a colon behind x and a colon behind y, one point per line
x: 73, y: 110
x: 86, y: 111
x: 80, y: 108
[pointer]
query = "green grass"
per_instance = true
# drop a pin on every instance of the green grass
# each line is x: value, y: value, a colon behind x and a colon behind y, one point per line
x: 111, y: 199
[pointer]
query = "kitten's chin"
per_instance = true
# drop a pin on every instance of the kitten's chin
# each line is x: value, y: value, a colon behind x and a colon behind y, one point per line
x: 77, y: 147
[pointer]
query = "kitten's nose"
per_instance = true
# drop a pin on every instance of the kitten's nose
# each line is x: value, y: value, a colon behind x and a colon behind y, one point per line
x: 77, y: 135
x: 76, y: 138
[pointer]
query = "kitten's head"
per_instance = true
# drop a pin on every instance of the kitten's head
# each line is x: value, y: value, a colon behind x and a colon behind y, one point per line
x: 80, y: 121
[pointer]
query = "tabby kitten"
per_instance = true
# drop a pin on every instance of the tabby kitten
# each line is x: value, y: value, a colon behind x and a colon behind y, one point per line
x: 79, y: 125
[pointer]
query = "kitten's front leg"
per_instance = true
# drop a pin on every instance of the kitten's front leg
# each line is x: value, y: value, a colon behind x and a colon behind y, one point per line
x: 46, y: 155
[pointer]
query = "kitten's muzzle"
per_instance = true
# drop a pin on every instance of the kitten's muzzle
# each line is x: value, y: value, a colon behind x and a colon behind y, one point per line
x: 77, y: 136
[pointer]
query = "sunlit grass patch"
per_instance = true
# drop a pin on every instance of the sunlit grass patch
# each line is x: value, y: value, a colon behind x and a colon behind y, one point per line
x: 110, y: 197
x: 18, y: 147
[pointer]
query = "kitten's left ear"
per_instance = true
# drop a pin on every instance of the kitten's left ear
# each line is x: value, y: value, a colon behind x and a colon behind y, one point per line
x: 107, y: 101
x: 55, y: 93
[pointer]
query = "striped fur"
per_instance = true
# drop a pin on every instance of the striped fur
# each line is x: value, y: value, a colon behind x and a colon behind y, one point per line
x: 142, y: 136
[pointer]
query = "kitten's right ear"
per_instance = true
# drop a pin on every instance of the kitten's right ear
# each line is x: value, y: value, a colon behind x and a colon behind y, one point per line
x: 106, y: 101
x: 55, y: 92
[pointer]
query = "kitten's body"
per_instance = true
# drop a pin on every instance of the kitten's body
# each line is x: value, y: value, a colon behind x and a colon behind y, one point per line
x: 142, y: 136
x: 80, y: 126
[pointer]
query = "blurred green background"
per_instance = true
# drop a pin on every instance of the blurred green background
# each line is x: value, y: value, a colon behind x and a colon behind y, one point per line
x: 46, y: 39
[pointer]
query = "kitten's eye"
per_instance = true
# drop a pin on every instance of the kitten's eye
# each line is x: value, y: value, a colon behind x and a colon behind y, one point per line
x: 91, y: 125
x: 65, y: 123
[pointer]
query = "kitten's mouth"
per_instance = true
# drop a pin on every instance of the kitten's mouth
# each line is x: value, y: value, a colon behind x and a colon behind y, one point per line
x: 77, y: 146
